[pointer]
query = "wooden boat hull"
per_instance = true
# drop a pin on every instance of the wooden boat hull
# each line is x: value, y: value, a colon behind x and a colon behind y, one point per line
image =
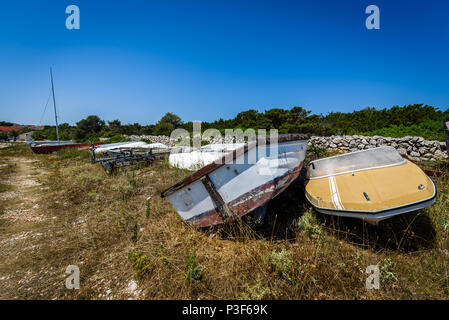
x: 232, y: 189
x: 373, y: 194
x: 49, y: 148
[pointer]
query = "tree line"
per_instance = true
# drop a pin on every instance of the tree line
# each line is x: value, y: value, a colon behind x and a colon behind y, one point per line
x: 417, y: 120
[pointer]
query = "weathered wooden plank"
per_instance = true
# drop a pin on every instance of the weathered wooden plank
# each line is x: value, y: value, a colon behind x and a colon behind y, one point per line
x: 222, y: 208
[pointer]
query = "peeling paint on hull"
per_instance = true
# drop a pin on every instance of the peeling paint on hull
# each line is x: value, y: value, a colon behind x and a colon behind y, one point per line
x: 219, y: 192
x: 249, y: 201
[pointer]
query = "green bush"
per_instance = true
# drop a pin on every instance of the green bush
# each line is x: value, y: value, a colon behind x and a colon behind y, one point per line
x: 429, y: 130
x: 73, y: 153
x: 117, y: 138
x: 141, y: 263
x: 3, y: 136
x: 281, y: 262
x: 193, y: 272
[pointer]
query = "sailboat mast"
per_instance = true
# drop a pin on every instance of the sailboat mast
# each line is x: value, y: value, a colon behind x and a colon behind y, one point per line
x: 54, y: 103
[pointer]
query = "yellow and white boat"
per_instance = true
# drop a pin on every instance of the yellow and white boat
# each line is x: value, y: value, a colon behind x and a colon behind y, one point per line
x: 372, y: 185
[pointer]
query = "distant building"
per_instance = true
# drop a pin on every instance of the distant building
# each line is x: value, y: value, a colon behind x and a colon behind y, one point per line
x: 18, y: 128
x: 9, y: 129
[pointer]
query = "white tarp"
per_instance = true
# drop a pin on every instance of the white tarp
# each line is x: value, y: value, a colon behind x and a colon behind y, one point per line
x: 197, y: 159
x: 138, y: 144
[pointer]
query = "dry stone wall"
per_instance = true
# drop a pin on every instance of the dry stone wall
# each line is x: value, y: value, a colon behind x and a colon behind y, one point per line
x: 414, y: 148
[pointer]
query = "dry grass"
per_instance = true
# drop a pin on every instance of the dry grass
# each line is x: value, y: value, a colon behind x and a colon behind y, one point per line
x: 130, y: 243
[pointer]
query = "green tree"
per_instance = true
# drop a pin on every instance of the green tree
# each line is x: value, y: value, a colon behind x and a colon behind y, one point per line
x: 14, y: 134
x: 3, y: 136
x: 172, y: 119
x: 114, y: 124
x: 167, y: 124
x: 87, y: 128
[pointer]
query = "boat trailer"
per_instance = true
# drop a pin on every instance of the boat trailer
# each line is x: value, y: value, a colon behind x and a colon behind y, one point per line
x: 121, y: 157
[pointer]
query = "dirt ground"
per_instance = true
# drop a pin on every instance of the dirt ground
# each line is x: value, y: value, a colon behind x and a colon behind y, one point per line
x: 59, y: 210
x: 27, y: 235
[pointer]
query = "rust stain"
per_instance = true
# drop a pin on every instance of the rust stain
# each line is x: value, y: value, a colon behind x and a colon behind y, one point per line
x: 227, y: 158
x: 250, y: 200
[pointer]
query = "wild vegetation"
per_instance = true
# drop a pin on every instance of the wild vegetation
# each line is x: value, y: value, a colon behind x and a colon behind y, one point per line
x: 417, y: 119
x: 59, y: 210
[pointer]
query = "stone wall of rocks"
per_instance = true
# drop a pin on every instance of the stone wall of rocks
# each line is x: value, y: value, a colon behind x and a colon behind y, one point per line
x: 153, y: 139
x: 171, y: 142
x: 414, y: 148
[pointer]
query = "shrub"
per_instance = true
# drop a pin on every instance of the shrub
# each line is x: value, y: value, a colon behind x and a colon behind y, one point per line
x: 192, y: 270
x: 308, y: 224
x: 281, y: 262
x: 316, y: 151
x: 87, y: 177
x: 134, y: 236
x: 148, y: 208
x: 117, y: 138
x: 141, y: 263
x: 386, y: 270
x: 256, y: 292
x: 73, y: 153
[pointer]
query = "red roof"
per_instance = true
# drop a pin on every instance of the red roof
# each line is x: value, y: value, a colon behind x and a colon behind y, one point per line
x: 18, y: 128
x: 9, y: 129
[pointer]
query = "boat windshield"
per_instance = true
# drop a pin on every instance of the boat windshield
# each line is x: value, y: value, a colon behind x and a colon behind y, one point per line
x: 356, y: 161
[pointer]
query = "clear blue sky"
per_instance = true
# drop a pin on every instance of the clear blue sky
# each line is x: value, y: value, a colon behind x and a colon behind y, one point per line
x: 137, y: 60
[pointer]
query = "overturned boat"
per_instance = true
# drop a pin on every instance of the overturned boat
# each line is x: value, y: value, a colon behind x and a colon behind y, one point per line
x: 372, y: 185
x: 52, y: 146
x: 194, y: 159
x: 240, y: 182
x: 117, y: 147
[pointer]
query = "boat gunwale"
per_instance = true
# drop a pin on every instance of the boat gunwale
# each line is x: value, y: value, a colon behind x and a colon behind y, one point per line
x: 377, y: 217
x: 282, y: 138
x: 373, y: 212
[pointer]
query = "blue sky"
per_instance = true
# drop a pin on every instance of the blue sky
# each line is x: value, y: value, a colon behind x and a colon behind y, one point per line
x: 136, y: 60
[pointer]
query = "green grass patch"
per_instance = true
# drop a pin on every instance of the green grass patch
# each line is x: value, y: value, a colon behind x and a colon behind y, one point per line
x: 73, y: 153
x: 117, y: 138
x: 141, y: 263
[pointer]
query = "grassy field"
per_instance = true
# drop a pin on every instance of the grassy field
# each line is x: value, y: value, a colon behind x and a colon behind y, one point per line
x: 59, y: 210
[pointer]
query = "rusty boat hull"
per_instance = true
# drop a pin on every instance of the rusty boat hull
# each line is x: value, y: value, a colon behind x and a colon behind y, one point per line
x: 241, y: 182
x: 50, y: 147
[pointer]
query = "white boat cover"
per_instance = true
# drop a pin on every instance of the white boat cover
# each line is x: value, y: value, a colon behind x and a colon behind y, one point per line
x: 137, y: 144
x: 196, y: 159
